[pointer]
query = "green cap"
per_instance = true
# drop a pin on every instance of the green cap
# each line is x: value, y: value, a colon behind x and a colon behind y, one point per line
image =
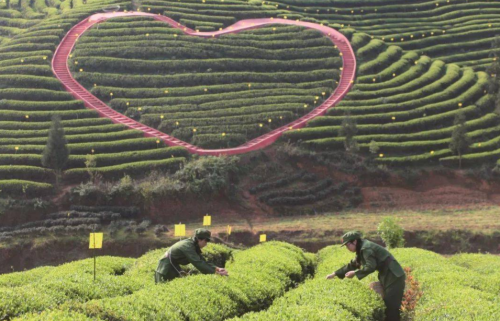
x: 203, y: 233
x: 350, y: 236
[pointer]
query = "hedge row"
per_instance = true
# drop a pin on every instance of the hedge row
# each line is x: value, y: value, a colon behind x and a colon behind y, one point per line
x: 73, y: 139
x: 55, y: 230
x: 218, y: 101
x: 465, y: 91
x: 41, y: 125
x: 383, y: 60
x: 136, y: 66
x: 26, y: 81
x: 321, y: 185
x: 103, y: 216
x: 133, y: 169
x: 451, y: 291
x: 111, y: 159
x: 143, y: 93
x: 71, y: 282
x: 309, y: 196
x: 230, y: 120
x: 416, y: 77
x: 56, y: 222
x: 215, y: 141
x: 40, y: 106
x: 398, y: 67
x: 471, y: 94
x: 206, y: 51
x: 258, y: 37
x: 457, y: 37
x: 278, y: 183
x: 34, y: 94
x: 360, y: 39
x: 447, y: 85
x: 437, y: 134
x: 97, y: 147
x: 24, y: 187
x: 68, y: 131
x: 292, y: 41
x: 125, y: 211
x: 423, y: 124
x: 414, y: 159
x: 320, y: 299
x: 297, y: 108
x: 472, y: 158
x: 257, y: 277
x: 89, y: 79
x: 408, y: 76
x: 44, y: 116
x: 31, y: 173
x: 144, y: 267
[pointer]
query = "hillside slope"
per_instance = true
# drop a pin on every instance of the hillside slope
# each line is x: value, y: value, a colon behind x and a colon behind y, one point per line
x: 407, y: 93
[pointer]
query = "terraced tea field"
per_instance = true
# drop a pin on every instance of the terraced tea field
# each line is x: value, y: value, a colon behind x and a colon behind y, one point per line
x: 212, y: 93
x: 416, y: 71
x: 407, y: 103
x: 454, y: 31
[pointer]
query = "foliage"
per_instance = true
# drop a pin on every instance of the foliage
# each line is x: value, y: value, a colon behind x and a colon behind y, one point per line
x: 59, y: 315
x: 209, y: 175
x: 18, y: 187
x: 90, y: 164
x: 391, y: 232
x: 374, y: 148
x: 460, y: 142
x: 348, y: 129
x: 321, y: 300
x: 55, y: 155
x: 257, y: 277
x: 451, y: 291
x: 412, y: 295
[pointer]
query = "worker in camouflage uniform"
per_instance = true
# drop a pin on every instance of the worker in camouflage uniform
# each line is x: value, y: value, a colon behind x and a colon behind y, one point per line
x: 371, y: 257
x: 185, y: 252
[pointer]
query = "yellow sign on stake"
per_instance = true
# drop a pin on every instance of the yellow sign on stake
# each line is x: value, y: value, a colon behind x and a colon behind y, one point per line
x: 263, y: 238
x: 229, y: 229
x: 180, y: 230
x: 207, y: 220
x: 95, y: 240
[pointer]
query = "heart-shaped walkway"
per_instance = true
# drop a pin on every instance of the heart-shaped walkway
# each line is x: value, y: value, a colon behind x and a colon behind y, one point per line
x: 61, y: 70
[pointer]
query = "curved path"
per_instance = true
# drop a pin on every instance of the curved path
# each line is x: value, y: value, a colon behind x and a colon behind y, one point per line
x: 61, y: 70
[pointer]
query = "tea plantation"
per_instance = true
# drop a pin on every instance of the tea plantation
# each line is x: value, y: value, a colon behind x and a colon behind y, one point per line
x: 271, y: 281
x: 213, y: 93
x: 419, y: 65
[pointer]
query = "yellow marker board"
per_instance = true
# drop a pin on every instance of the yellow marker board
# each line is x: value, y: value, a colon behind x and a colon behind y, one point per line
x: 263, y: 238
x: 229, y: 228
x: 180, y: 230
x: 207, y: 220
x: 95, y: 241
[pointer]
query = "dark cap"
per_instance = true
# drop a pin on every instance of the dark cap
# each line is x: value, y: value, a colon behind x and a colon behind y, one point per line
x: 350, y: 236
x: 203, y: 233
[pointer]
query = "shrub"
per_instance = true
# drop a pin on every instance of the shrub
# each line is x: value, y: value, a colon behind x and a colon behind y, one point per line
x: 15, y: 187
x: 391, y: 233
x: 209, y: 175
x: 258, y: 276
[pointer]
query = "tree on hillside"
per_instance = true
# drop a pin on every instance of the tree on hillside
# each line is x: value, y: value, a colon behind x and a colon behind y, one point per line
x: 460, y: 141
x: 56, y: 153
x: 374, y: 148
x: 348, y: 129
x: 494, y: 69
